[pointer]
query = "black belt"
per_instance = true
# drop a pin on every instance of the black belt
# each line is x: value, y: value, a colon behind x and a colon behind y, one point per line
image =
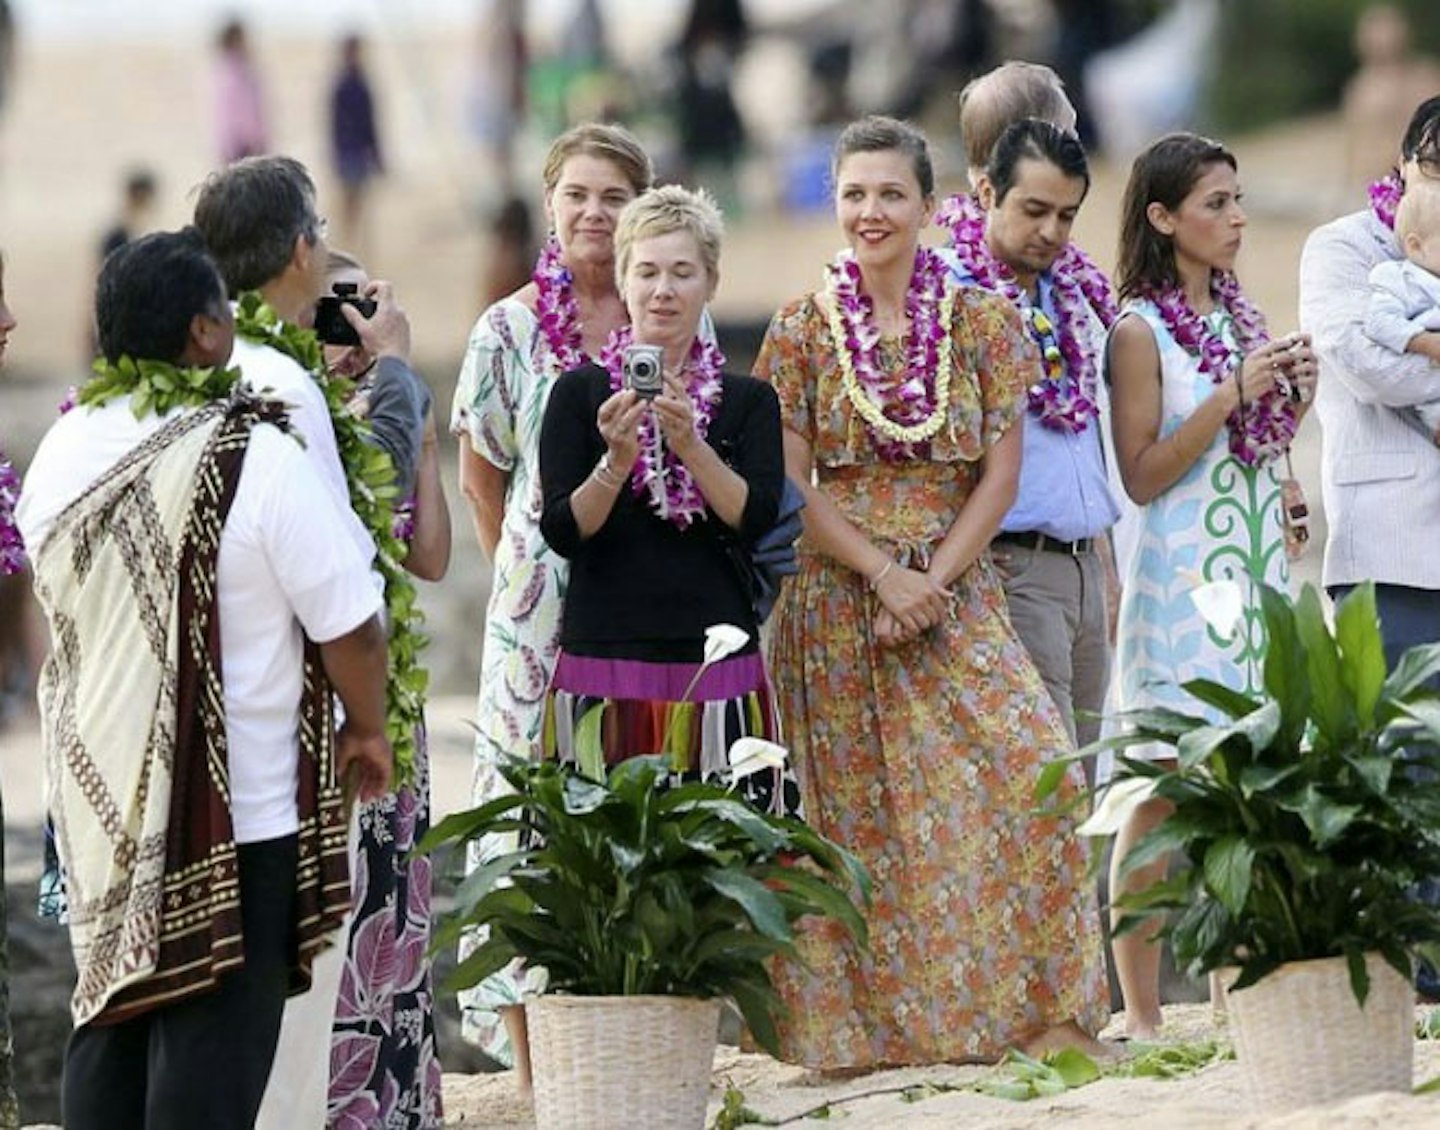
x: 1032, y: 539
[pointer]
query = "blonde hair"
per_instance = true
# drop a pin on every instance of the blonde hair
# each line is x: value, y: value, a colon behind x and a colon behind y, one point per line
x: 999, y: 98
x: 615, y: 144
x: 669, y: 208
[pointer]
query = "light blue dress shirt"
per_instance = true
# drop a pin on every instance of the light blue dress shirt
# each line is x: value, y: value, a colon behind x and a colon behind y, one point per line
x: 1064, y: 490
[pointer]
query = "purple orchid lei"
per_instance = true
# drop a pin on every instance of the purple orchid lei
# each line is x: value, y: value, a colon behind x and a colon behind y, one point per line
x: 12, y: 547
x: 658, y: 474
x: 911, y: 396
x: 1385, y: 196
x: 1066, y: 399
x: 1260, y: 430
x: 556, y: 308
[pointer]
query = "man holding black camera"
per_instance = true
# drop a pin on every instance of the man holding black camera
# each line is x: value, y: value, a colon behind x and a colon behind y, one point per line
x: 259, y: 220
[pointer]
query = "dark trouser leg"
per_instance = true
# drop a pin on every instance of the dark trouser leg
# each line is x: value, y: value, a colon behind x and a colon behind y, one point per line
x: 210, y: 1057
x: 205, y: 1061
x: 1408, y: 617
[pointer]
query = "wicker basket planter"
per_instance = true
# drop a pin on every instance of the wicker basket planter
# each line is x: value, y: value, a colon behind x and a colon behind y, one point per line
x: 618, y: 1063
x: 1301, y: 1039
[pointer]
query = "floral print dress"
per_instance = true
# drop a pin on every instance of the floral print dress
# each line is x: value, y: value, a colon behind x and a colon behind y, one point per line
x: 499, y: 406
x: 922, y: 758
x: 1220, y: 521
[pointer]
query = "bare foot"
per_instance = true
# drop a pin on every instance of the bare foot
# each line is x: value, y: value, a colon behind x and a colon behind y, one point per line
x: 1138, y: 1027
x: 1067, y: 1035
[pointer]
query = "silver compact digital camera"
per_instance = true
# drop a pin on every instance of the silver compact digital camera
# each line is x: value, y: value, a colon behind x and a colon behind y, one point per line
x: 643, y: 369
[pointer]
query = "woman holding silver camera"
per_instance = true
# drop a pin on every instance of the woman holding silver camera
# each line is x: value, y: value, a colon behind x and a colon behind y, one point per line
x: 653, y: 463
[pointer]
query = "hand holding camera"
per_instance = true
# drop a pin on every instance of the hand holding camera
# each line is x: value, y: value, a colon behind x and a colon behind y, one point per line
x: 374, y: 321
x: 1296, y: 368
x: 642, y: 368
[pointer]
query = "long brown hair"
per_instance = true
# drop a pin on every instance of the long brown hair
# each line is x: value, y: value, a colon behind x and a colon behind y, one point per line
x: 1164, y: 173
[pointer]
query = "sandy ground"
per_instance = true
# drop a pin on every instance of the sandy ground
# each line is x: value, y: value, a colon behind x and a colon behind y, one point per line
x: 79, y: 115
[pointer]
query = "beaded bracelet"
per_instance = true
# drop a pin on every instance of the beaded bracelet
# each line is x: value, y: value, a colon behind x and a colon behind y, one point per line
x: 604, y: 475
x: 880, y: 576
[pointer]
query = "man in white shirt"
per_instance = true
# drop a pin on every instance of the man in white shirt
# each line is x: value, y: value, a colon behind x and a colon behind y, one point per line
x: 204, y: 538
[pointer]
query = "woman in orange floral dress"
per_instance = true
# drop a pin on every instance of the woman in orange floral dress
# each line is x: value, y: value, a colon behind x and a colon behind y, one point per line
x: 916, y: 720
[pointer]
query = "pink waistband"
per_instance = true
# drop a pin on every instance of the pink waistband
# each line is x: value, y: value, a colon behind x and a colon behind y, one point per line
x: 660, y: 682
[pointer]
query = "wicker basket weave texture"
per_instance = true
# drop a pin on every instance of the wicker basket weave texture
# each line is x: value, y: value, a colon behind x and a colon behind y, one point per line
x: 621, y: 1063
x: 1301, y: 1039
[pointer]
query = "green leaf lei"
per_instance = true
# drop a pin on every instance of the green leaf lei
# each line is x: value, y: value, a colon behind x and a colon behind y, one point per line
x: 155, y: 386
x: 370, y: 476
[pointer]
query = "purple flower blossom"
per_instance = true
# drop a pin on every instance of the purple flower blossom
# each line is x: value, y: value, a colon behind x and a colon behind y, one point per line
x: 556, y: 310
x: 1066, y: 400
x: 12, y: 547
x: 1385, y: 196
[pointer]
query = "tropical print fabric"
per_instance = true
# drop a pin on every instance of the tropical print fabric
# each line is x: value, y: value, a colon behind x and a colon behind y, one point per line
x: 498, y: 408
x: 1220, y: 521
x: 383, y: 1066
x: 921, y: 758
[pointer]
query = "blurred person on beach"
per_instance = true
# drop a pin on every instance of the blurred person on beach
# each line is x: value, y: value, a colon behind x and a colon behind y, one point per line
x: 1205, y: 406
x: 495, y: 99
x: 712, y: 132
x: 1011, y: 234
x: 1380, y: 473
x: 894, y: 661
x: 137, y: 206
x: 13, y: 564
x: 354, y: 137
x: 361, y: 1011
x: 241, y: 129
x: 1389, y: 82
x: 1405, y: 293
x: 517, y: 350
x: 510, y: 251
x: 215, y: 558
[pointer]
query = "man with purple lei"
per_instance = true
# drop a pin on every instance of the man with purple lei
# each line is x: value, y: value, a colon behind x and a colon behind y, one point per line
x: 1010, y: 239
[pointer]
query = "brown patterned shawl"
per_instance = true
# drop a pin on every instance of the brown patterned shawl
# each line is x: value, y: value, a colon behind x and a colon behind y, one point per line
x: 134, y: 721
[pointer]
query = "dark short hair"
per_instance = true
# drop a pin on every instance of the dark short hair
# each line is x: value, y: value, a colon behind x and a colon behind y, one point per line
x: 249, y: 214
x: 1163, y: 173
x: 1422, y: 136
x: 876, y: 133
x: 1038, y: 141
x: 149, y: 290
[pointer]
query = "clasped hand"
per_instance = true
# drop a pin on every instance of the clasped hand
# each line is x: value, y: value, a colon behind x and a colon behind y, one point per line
x: 912, y: 601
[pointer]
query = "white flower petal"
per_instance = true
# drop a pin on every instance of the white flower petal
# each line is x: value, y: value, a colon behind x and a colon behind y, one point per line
x: 1120, y: 799
x: 1222, y: 604
x: 750, y: 755
x: 722, y: 640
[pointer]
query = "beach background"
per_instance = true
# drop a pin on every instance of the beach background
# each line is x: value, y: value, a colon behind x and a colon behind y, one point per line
x: 98, y: 86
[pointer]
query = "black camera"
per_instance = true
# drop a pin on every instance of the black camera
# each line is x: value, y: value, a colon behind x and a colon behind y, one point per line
x: 643, y: 369
x: 331, y: 327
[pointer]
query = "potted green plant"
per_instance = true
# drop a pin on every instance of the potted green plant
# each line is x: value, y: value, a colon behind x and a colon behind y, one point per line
x: 649, y: 901
x: 1308, y: 816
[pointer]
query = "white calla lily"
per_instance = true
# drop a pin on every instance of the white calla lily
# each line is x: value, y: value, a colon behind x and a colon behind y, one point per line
x: 750, y: 755
x: 722, y: 640
x: 1220, y: 603
x: 1120, y: 799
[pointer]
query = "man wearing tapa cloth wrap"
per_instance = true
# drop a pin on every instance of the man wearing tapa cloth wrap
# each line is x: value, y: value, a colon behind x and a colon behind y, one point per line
x: 204, y: 595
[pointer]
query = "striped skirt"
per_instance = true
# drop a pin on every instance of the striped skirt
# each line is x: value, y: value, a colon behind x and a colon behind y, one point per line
x: 600, y: 712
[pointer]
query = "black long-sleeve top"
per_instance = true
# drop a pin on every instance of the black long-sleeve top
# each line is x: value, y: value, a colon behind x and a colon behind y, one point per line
x: 640, y: 587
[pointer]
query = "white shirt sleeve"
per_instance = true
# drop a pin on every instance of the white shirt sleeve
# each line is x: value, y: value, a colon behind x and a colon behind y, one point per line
x: 324, y: 575
x: 1389, y: 314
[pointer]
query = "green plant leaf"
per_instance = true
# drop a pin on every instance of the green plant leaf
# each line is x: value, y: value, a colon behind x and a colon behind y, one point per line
x: 1357, y: 633
x: 1286, y: 674
x: 1359, y: 975
x: 466, y: 825
x: 1074, y: 1066
x: 1195, y: 746
x: 759, y: 903
x: 1326, y: 819
x: 758, y: 1005
x: 1221, y: 697
x: 1227, y: 872
x: 1261, y: 778
x: 1331, y: 703
x: 589, y: 752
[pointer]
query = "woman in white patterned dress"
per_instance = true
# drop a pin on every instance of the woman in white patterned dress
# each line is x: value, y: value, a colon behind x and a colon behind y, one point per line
x: 1201, y: 419
x: 518, y: 348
